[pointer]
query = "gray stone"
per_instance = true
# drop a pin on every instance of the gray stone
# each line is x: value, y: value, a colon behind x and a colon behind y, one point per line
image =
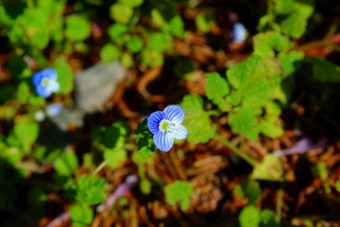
x: 95, y: 85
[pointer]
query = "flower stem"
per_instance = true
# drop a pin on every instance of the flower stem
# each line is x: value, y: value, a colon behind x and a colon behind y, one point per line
x: 237, y: 151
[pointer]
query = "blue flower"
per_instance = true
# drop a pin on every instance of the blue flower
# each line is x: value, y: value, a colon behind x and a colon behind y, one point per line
x: 45, y: 82
x: 239, y: 33
x: 54, y: 109
x: 166, y: 126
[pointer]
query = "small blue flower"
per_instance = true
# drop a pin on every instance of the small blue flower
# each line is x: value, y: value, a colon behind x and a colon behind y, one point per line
x: 54, y: 109
x: 166, y: 126
x: 239, y: 33
x: 45, y: 82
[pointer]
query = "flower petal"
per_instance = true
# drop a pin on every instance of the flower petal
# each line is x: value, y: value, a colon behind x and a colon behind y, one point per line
x: 179, y: 132
x: 50, y: 73
x: 153, y: 121
x: 174, y: 114
x: 36, y: 78
x: 163, y: 141
x: 43, y: 91
x: 53, y: 85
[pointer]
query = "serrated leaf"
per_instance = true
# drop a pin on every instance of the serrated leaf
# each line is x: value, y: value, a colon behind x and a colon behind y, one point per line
x: 265, y: 44
x: 239, y: 74
x: 216, y: 88
x: 200, y: 127
x: 77, y: 28
x: 324, y: 70
x: 145, y: 144
x: 109, y: 53
x: 89, y: 190
x: 179, y: 192
x: 290, y: 61
x: 66, y: 163
x: 244, y: 121
x: 249, y: 217
x: 284, y: 6
x: 269, y: 169
x: 81, y: 215
x: 295, y: 25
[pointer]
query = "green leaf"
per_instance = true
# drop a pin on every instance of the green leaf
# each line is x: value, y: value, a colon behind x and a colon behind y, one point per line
x: 26, y: 132
x: 115, y: 157
x: 127, y: 60
x: 265, y: 44
x: 81, y: 215
x: 117, y: 30
x: 244, y: 121
x: 135, y: 44
x: 145, y: 144
x: 132, y: 3
x: 197, y: 121
x: 240, y: 74
x: 121, y: 13
x: 270, y: 127
x: 66, y: 163
x: 176, y: 26
x: 324, y: 70
x: 320, y: 169
x: 179, y: 192
x: 269, y: 169
x: 290, y: 61
x: 249, y: 217
x: 268, y: 218
x: 295, y: 25
x: 251, y: 190
x: 204, y: 22
x: 145, y: 186
x: 65, y: 76
x: 109, y: 53
x: 113, y: 137
x: 23, y: 92
x: 157, y: 42
x: 152, y: 58
x: 217, y: 88
x: 89, y: 190
x: 77, y: 28
x: 284, y: 6
x: 16, y: 66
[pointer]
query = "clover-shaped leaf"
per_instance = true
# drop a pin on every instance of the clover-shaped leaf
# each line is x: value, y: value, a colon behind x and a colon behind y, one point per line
x: 179, y: 192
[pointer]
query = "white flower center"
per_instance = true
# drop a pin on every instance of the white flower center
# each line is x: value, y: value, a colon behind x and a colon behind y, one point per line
x: 166, y: 126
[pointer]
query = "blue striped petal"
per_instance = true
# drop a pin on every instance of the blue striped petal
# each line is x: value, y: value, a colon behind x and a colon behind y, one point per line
x: 42, y: 91
x: 163, y: 141
x: 153, y: 121
x: 179, y: 132
x: 49, y: 73
x: 36, y: 78
x: 174, y: 114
